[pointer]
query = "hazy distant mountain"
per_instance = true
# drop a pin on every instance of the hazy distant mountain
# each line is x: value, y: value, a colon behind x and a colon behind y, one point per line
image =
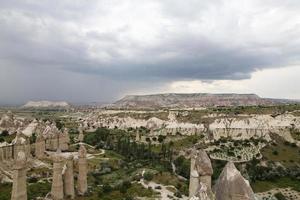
x: 46, y: 104
x: 194, y: 100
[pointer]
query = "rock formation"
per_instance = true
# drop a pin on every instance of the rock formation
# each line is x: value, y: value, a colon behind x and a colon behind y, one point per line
x: 82, y: 170
x: 19, y: 189
x: 20, y: 143
x: 69, y: 178
x: 231, y: 185
x: 201, y: 172
x: 40, y: 146
x: 202, y: 193
x: 57, y: 190
x: 137, y: 136
x: 80, y: 136
x: 64, y: 140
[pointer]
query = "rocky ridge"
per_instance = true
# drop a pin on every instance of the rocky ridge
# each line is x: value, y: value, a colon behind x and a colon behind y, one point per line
x: 46, y: 104
x: 193, y: 100
x: 237, y: 128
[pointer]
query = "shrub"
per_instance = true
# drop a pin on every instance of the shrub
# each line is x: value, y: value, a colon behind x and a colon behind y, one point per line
x: 148, y: 176
x: 178, y: 194
x: 275, y: 152
x: 107, y: 188
x: 158, y: 187
x: 280, y: 196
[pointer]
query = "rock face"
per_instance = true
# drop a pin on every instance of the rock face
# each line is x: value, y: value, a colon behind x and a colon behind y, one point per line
x: 82, y: 171
x: 173, y: 100
x: 19, y: 190
x: 46, y: 104
x: 201, y: 172
x: 231, y: 185
x: 254, y: 126
x: 239, y: 127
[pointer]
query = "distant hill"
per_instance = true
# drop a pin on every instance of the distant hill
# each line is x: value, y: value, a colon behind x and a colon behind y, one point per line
x: 194, y: 100
x: 46, y: 104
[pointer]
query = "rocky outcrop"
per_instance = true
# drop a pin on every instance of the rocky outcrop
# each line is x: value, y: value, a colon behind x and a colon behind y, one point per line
x: 240, y: 127
x: 231, y: 185
x: 9, y: 122
x: 256, y: 126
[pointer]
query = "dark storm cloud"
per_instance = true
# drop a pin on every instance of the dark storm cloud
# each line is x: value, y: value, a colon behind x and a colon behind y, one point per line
x: 132, y: 42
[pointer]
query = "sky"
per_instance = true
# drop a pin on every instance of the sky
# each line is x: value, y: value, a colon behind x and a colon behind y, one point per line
x: 101, y: 50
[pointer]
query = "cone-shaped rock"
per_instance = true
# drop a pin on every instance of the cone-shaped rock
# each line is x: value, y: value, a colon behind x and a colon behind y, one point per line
x: 231, y: 185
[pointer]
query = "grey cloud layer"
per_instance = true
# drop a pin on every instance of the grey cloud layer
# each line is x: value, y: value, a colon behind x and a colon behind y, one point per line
x: 141, y: 40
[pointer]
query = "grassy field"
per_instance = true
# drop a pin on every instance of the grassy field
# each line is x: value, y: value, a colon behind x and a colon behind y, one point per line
x: 33, y: 190
x: 166, y: 178
x: 186, y: 142
x: 145, y: 116
x: 284, y: 182
x: 282, y: 152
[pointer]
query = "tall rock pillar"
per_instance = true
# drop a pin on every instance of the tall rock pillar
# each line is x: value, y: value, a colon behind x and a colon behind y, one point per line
x: 82, y: 170
x: 80, y: 136
x: 69, y: 179
x: 194, y: 176
x: 40, y: 146
x: 201, y: 172
x: 19, y: 190
x: 57, y: 190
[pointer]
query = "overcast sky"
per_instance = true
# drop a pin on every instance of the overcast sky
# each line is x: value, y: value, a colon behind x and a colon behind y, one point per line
x: 100, y: 50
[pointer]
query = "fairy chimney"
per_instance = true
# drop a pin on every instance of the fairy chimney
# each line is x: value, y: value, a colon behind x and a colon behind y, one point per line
x: 231, y: 185
x: 19, y: 189
x: 69, y: 178
x: 201, y: 172
x: 57, y: 191
x: 82, y: 170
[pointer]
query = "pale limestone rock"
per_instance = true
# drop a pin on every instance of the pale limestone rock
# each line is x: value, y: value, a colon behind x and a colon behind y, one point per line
x: 82, y: 170
x: 20, y: 143
x: 19, y: 190
x: 57, y: 190
x: 137, y: 136
x: 80, y: 136
x: 202, y: 193
x: 69, y: 179
x: 231, y: 185
x: 201, y: 172
x: 64, y: 140
x: 40, y: 147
